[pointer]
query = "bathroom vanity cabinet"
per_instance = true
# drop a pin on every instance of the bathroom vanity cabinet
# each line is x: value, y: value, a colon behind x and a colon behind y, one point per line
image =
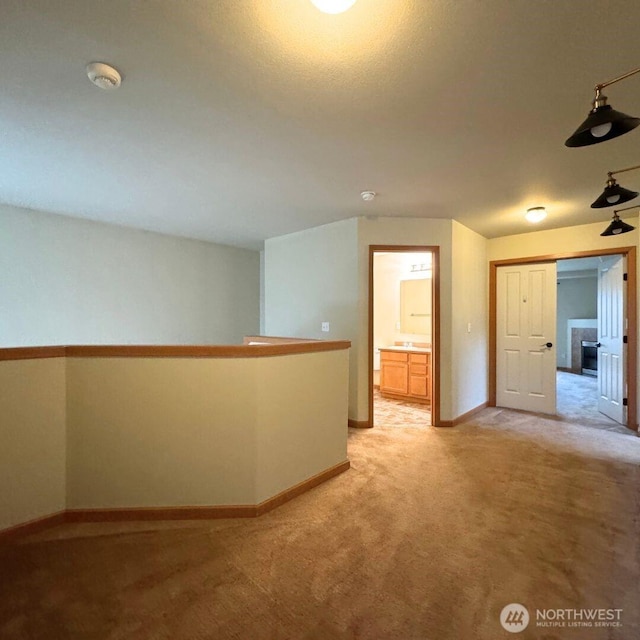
x: 405, y: 373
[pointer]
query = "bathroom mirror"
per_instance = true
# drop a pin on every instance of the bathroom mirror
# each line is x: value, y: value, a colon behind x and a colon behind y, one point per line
x: 415, y: 306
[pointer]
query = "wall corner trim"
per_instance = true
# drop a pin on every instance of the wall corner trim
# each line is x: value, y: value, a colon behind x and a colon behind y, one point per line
x: 32, y: 526
x: 462, y: 418
x: 360, y: 424
x: 140, y: 514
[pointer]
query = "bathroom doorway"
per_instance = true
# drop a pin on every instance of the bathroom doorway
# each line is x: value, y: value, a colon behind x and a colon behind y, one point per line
x: 403, y: 332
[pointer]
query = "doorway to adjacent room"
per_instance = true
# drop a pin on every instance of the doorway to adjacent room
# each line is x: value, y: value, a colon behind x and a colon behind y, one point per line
x: 403, y: 330
x: 538, y: 346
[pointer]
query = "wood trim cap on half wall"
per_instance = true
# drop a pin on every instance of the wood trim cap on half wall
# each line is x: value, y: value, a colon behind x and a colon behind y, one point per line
x: 279, y: 347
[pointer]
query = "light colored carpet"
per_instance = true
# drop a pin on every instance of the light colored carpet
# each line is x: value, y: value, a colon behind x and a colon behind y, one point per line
x: 428, y: 536
x: 577, y: 401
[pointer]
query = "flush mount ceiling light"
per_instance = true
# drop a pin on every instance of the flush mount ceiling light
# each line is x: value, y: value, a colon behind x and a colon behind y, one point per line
x: 603, y: 122
x: 104, y: 75
x: 536, y: 214
x: 617, y: 226
x: 333, y: 6
x: 613, y: 193
x: 367, y: 196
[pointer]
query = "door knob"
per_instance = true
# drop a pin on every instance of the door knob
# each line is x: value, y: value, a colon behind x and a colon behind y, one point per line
x: 547, y: 344
x: 598, y: 345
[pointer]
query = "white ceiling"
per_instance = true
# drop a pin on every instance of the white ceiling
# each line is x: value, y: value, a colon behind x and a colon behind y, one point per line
x: 240, y: 120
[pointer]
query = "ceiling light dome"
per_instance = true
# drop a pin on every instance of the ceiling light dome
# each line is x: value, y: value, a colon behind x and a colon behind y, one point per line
x: 536, y: 214
x: 333, y: 6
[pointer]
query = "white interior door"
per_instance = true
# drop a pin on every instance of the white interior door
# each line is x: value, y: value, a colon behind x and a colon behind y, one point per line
x: 611, y: 329
x: 526, y: 335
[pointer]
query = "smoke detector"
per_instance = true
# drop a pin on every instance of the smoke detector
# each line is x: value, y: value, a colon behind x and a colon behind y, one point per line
x: 104, y: 75
x: 367, y: 196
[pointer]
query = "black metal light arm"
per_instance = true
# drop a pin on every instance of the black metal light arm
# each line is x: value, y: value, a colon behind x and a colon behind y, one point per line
x: 613, y: 173
x: 622, y: 77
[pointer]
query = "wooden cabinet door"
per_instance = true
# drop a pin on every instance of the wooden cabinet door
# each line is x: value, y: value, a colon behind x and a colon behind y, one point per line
x: 418, y: 386
x: 419, y: 378
x: 394, y: 372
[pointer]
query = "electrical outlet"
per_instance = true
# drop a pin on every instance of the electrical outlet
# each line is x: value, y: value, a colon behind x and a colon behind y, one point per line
x: 325, y: 326
x: 468, y: 327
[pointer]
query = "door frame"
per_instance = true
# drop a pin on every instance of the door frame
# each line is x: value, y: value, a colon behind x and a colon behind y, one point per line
x: 435, y: 322
x: 632, y: 327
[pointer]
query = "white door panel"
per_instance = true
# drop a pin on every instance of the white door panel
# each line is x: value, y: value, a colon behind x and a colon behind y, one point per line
x: 525, y: 323
x: 611, y: 352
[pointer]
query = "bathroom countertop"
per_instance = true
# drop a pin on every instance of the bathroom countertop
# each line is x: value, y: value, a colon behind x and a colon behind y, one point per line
x: 402, y: 348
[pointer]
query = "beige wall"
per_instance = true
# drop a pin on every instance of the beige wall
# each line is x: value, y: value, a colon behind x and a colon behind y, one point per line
x: 323, y: 275
x: 160, y: 432
x: 386, y: 306
x: 153, y: 432
x: 469, y: 320
x: 70, y: 281
x: 311, y: 277
x: 32, y: 443
x: 301, y: 428
x: 584, y: 237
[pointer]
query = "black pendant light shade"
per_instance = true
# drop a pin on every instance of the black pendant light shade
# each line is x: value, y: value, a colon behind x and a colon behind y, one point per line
x: 603, y: 123
x: 613, y: 195
x: 617, y: 227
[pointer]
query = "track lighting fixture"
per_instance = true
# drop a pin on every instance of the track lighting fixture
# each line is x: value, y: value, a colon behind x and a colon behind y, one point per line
x: 603, y: 122
x: 613, y: 193
x: 617, y: 226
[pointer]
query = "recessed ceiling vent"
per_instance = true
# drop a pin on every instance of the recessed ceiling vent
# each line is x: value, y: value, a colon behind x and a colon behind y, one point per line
x: 104, y: 75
